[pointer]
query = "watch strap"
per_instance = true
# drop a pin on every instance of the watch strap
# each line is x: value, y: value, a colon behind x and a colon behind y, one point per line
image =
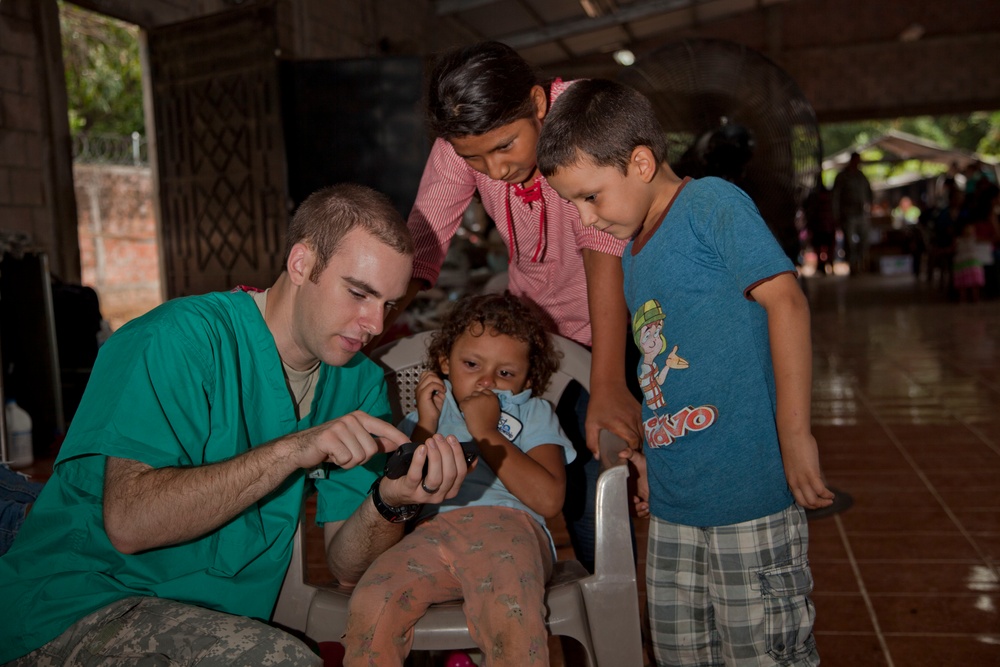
x: 400, y: 514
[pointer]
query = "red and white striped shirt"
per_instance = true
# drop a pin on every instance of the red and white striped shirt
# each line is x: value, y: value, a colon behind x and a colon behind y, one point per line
x: 544, y: 239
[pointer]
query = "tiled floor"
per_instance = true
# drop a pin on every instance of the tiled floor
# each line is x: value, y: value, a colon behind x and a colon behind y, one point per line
x: 906, y: 409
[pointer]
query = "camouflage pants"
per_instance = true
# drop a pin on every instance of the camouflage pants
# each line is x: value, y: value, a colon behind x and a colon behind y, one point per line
x: 148, y: 631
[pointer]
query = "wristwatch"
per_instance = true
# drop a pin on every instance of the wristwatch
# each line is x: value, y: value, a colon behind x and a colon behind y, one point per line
x: 400, y: 514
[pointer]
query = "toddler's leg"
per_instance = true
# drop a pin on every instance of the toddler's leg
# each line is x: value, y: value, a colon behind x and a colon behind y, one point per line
x: 504, y: 584
x: 393, y: 594
x: 682, y: 623
x: 760, y: 584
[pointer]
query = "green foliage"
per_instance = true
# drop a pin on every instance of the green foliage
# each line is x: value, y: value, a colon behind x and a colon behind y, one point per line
x: 978, y: 132
x: 989, y: 144
x: 103, y: 74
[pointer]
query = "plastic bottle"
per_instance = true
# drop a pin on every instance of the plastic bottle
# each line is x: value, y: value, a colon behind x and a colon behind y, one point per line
x: 19, y: 444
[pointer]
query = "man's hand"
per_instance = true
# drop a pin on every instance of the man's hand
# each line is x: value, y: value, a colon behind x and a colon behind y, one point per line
x: 616, y: 411
x: 353, y: 544
x: 446, y: 470
x: 347, y: 441
x: 801, y: 461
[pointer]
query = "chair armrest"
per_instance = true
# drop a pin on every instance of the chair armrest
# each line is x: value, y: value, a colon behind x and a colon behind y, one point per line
x: 611, y: 594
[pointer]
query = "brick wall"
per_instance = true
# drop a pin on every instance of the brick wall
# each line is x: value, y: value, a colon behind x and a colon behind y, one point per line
x: 22, y: 189
x: 118, y: 241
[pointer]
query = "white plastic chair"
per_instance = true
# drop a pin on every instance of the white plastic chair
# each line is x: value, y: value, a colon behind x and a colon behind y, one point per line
x: 599, y: 610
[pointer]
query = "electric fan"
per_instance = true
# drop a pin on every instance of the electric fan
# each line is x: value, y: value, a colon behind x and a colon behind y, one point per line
x: 729, y: 111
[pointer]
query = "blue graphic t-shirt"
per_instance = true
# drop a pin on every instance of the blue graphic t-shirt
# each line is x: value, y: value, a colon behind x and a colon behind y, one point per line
x: 705, y: 368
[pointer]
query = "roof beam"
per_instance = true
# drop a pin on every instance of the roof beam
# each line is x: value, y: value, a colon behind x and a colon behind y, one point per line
x: 446, y: 7
x: 561, y: 30
x: 620, y: 16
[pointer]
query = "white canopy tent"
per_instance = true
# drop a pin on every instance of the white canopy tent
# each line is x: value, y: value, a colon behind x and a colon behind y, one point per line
x: 900, y: 146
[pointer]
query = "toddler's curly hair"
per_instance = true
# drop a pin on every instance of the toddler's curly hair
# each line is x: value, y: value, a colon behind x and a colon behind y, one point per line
x: 498, y: 314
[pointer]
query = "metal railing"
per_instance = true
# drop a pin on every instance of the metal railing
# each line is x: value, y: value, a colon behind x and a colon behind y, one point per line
x: 111, y: 149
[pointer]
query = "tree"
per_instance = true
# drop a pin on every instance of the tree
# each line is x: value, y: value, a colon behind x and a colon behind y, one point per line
x: 103, y: 74
x: 978, y: 131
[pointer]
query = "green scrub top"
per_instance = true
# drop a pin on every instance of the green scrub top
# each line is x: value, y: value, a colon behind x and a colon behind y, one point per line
x: 197, y: 380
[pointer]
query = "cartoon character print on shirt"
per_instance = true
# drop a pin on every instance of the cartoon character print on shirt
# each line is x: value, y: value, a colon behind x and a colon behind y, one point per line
x: 662, y: 429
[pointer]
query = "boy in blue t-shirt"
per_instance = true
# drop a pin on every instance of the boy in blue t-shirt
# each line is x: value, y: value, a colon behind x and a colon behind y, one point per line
x: 729, y: 460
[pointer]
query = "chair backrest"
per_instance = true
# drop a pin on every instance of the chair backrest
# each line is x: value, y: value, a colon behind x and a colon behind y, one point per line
x: 404, y: 362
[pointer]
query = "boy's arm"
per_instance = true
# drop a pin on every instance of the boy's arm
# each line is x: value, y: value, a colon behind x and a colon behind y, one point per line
x: 612, y: 406
x: 791, y: 355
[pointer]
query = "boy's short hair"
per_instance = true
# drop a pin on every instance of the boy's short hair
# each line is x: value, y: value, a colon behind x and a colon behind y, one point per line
x: 602, y: 120
x: 327, y: 215
x: 476, y: 89
x: 503, y: 314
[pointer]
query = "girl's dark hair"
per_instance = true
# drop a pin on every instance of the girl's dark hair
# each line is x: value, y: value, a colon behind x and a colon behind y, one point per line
x: 476, y: 89
x: 601, y: 120
x: 492, y: 314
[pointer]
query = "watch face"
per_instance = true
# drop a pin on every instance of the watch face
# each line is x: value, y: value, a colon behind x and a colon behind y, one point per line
x: 405, y: 513
x: 400, y: 514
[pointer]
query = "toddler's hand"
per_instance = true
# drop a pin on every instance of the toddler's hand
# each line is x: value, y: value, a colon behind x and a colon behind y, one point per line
x: 430, y: 399
x: 482, y: 413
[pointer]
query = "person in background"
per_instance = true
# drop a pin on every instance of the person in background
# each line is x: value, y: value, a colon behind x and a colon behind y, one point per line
x: 822, y: 225
x: 981, y: 211
x: 968, y: 265
x: 729, y: 463
x: 165, y: 531
x: 490, y: 362
x: 17, y: 493
x: 486, y: 106
x: 905, y: 213
x: 852, y: 200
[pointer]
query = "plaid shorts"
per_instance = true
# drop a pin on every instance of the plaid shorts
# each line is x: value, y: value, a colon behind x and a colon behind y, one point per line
x: 732, y: 595
x: 153, y: 631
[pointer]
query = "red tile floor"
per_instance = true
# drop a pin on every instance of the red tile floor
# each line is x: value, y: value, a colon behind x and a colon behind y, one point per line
x: 906, y: 409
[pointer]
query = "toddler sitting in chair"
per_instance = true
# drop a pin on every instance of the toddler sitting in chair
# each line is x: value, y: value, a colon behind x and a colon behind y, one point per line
x: 490, y: 363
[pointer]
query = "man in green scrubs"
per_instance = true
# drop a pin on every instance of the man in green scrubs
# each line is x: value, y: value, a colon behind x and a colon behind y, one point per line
x: 165, y: 531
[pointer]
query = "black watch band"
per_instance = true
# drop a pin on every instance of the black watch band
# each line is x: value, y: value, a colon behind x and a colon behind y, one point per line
x: 400, y: 514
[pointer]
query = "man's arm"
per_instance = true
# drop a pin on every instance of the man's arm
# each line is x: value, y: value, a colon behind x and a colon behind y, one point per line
x: 146, y: 508
x: 353, y: 544
x: 791, y: 355
x: 612, y: 406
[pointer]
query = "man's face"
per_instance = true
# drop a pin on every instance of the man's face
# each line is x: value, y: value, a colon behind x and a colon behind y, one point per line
x: 606, y: 199
x: 337, y: 315
x: 504, y: 154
